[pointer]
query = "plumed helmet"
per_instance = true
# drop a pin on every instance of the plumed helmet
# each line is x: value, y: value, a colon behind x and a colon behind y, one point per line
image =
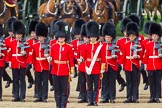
x: 9, y: 24
x: 41, y: 29
x: 32, y: 25
x: 132, y: 28
x: 109, y: 29
x: 18, y: 27
x: 92, y: 29
x: 155, y: 28
x: 124, y: 23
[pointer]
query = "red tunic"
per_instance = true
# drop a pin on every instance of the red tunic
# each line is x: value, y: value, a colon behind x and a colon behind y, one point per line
x: 16, y: 58
x: 75, y: 44
x: 151, y: 58
x: 62, y: 59
x: 30, y: 42
x: 7, y: 42
x: 127, y: 55
x: 109, y: 60
x: 81, y: 49
x: 88, y: 55
x: 39, y: 60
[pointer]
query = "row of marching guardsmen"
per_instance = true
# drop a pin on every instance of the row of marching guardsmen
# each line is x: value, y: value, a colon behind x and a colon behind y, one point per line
x: 95, y: 58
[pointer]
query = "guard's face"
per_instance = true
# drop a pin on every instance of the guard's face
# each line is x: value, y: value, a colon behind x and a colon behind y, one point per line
x: 11, y: 34
x: 41, y: 38
x: 61, y: 39
x: 93, y: 39
x: 125, y: 33
x: 19, y: 36
x: 132, y: 37
x: 108, y: 38
x: 155, y: 37
x: 86, y: 40
x: 77, y: 36
x: 32, y: 34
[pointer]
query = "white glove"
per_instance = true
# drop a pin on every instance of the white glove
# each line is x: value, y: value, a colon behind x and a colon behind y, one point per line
x: 102, y: 71
x: 49, y: 59
x: 160, y: 55
x: 88, y: 70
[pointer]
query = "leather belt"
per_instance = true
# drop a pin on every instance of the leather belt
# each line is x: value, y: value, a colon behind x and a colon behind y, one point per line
x: 17, y: 55
x: 153, y: 56
x: 39, y: 58
x: 89, y: 59
x: 61, y: 62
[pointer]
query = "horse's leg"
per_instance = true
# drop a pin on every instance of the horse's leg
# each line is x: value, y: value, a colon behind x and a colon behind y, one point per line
x: 155, y: 14
x: 148, y: 14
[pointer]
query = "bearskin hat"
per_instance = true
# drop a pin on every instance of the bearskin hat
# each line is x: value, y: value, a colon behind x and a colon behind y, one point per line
x: 109, y: 29
x: 92, y: 29
x: 32, y: 26
x: 18, y: 27
x: 41, y: 29
x: 155, y: 28
x: 52, y: 26
x: 77, y: 26
x: 132, y: 28
x: 83, y: 31
x: 147, y: 27
x: 124, y: 23
x: 9, y: 24
x: 135, y: 19
x: 61, y: 29
x: 1, y: 29
x: 100, y: 27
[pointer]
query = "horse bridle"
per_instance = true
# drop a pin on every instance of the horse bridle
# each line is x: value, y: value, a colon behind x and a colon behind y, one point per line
x: 4, y: 8
x: 64, y: 10
x: 86, y: 3
x: 56, y: 9
x: 97, y: 13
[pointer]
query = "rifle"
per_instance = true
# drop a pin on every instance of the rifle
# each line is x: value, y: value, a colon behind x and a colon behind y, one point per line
x: 135, y: 47
x: 158, y: 46
x: 113, y: 48
x: 23, y: 45
x: 45, y: 46
x: 2, y: 45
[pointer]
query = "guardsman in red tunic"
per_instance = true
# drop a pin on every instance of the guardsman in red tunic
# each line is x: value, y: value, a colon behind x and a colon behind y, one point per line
x: 120, y: 43
x: 52, y: 42
x: 62, y: 59
x: 31, y: 41
x: 145, y: 43
x: 81, y: 66
x: 7, y: 42
x: 95, y: 63
x: 111, y: 52
x: 40, y: 63
x: 77, y: 41
x: 18, y: 57
x: 153, y: 61
x: 2, y: 54
x: 132, y: 54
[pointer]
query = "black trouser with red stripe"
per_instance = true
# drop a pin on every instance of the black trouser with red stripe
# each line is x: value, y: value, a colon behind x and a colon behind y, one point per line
x: 6, y: 77
x: 28, y: 73
x: 119, y: 77
x: 144, y: 75
x: 93, y: 79
x: 155, y: 83
x: 132, y: 81
x: 109, y: 81
x: 41, y: 84
x: 19, y: 84
x: 1, y: 74
x: 82, y: 85
x: 61, y: 94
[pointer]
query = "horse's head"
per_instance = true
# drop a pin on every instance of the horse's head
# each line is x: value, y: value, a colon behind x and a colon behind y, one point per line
x: 70, y: 4
x: 57, y: 2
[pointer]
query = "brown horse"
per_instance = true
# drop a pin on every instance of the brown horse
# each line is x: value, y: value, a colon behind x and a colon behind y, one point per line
x: 101, y: 10
x: 151, y: 6
x: 69, y: 12
x: 5, y: 13
x: 48, y: 11
x: 85, y: 9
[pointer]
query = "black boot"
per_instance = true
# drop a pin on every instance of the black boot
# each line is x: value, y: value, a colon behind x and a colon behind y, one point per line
x: 30, y: 85
x: 8, y: 84
x: 122, y: 86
